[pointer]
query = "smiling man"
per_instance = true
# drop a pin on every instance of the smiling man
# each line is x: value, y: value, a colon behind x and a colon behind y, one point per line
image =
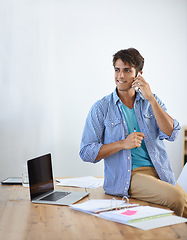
x: 127, y: 129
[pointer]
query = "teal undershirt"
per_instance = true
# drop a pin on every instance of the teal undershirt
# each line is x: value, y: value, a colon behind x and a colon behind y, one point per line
x: 140, y: 156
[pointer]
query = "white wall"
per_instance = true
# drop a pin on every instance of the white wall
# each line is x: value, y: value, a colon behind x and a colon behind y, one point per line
x: 56, y: 61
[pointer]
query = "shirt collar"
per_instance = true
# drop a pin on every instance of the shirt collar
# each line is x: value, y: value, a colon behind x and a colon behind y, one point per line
x: 138, y: 96
x: 115, y: 96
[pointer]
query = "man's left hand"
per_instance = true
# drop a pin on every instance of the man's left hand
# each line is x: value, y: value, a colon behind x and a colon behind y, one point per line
x: 144, y: 87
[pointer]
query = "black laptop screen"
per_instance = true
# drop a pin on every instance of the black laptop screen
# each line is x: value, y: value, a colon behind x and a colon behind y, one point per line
x: 40, y: 175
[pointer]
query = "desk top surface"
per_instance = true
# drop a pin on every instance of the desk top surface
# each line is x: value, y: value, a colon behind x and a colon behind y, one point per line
x: 22, y: 220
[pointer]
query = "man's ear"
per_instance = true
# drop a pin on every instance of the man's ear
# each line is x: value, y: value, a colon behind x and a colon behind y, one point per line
x: 140, y: 72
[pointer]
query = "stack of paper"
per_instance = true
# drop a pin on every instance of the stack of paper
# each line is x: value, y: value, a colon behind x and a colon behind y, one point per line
x: 83, y: 182
x: 135, y: 213
x: 143, y: 217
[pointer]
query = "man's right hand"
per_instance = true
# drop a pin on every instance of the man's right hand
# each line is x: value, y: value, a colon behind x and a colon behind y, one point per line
x: 134, y: 140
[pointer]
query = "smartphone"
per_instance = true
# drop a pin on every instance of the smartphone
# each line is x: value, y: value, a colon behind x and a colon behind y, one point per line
x: 137, y: 88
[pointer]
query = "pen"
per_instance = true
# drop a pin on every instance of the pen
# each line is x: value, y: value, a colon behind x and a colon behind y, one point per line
x: 135, y: 131
x: 116, y: 208
x: 58, y: 181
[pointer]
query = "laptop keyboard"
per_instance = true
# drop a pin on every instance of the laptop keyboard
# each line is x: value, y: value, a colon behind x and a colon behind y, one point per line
x: 55, y: 196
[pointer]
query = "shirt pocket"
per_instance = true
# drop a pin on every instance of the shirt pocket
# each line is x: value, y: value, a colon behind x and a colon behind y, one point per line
x: 113, y: 130
x: 151, y: 123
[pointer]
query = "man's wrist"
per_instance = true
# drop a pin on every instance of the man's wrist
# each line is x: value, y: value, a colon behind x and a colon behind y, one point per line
x: 152, y: 99
x: 122, y: 144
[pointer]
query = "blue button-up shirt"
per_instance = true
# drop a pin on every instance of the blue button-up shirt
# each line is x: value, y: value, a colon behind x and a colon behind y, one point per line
x: 106, y: 124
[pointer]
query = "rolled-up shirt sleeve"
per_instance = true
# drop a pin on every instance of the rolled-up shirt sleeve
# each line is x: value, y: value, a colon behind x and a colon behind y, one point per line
x: 176, y: 128
x: 92, y: 138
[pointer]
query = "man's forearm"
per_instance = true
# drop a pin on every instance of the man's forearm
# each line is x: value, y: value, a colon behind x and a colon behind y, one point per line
x: 109, y: 149
x: 164, y: 121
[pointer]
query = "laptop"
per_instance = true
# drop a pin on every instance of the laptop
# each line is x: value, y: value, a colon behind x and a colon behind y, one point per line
x: 42, y: 187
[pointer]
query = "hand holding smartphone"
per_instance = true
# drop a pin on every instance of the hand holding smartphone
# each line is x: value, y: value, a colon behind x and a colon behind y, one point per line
x: 136, y: 88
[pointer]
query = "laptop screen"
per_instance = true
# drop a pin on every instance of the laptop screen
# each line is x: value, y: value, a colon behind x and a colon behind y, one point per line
x: 40, y: 175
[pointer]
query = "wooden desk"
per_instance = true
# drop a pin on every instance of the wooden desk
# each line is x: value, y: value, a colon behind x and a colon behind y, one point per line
x: 22, y: 220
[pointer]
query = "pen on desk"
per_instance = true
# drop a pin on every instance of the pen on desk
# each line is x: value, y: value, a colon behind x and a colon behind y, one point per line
x: 58, y: 181
x: 116, y: 208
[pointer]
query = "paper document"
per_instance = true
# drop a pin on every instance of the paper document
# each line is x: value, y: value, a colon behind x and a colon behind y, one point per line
x: 83, y: 182
x: 157, y: 222
x: 136, y: 213
x: 143, y: 217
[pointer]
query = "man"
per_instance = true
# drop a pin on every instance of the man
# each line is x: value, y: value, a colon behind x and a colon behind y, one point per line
x: 127, y: 129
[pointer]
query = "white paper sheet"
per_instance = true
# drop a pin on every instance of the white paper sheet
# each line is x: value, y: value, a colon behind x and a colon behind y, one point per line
x: 146, y: 217
x: 82, y: 182
x: 158, y: 222
x: 135, y: 213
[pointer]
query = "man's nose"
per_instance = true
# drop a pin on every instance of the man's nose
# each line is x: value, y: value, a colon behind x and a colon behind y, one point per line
x: 121, y: 74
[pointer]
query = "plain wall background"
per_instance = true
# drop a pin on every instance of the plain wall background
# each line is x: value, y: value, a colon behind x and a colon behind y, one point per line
x: 56, y: 61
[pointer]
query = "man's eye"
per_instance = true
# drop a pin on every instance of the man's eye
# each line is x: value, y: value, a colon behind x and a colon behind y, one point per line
x: 127, y: 70
x: 116, y: 70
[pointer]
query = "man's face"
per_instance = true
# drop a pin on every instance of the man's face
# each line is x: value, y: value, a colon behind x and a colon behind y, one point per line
x: 124, y: 75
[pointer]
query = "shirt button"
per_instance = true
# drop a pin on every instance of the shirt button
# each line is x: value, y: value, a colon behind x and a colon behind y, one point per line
x: 126, y: 134
x: 125, y: 189
x: 127, y: 182
x: 128, y: 170
x: 128, y: 157
x: 112, y: 123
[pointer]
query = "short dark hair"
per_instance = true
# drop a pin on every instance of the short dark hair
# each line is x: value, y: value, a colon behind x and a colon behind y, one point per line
x: 130, y: 56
